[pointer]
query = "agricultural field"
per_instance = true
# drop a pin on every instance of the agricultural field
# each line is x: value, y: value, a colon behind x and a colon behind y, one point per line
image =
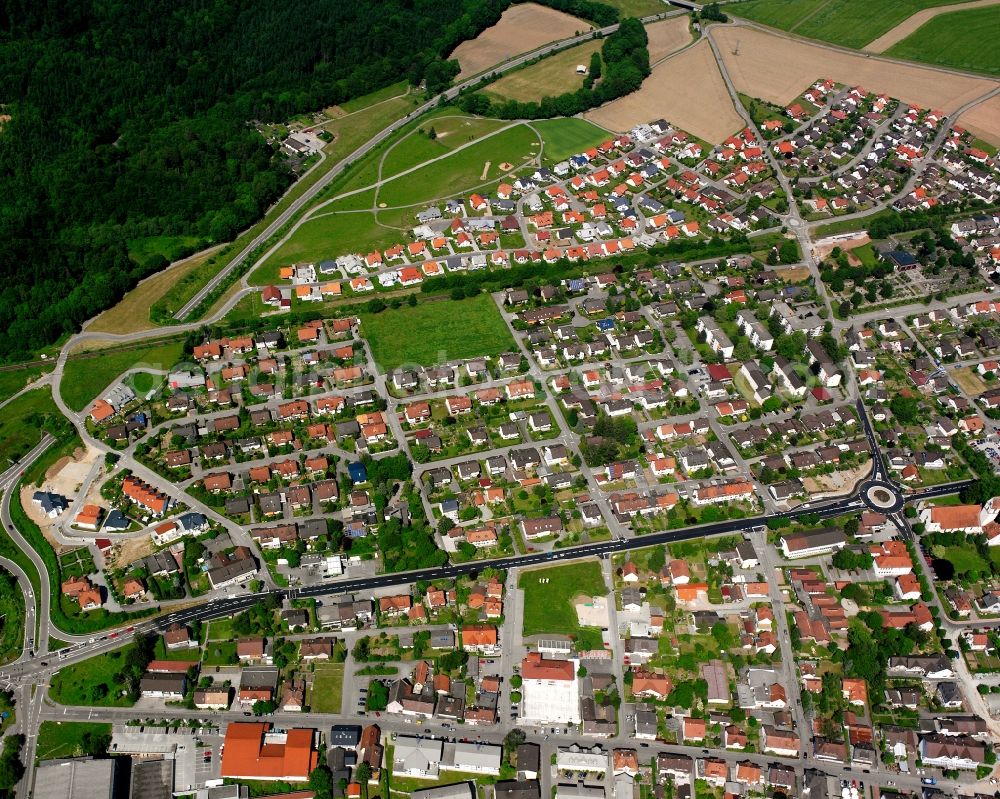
x: 435, y: 332
x: 966, y: 40
x: 983, y: 120
x: 667, y: 36
x: 913, y: 23
x: 88, y: 374
x: 777, y: 69
x: 687, y: 89
x: 568, y: 136
x: 845, y: 22
x: 522, y: 28
x: 548, y: 606
x: 477, y: 165
x: 549, y: 77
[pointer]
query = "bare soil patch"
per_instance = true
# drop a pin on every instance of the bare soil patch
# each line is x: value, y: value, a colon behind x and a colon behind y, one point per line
x: 910, y: 24
x: 668, y: 36
x: 841, y: 482
x: 970, y: 382
x: 777, y: 69
x: 984, y: 120
x: 794, y: 274
x: 131, y: 550
x: 521, y: 28
x: 822, y: 248
x: 686, y: 89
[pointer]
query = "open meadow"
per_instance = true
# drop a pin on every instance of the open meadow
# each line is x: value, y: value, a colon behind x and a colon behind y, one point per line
x: 549, y: 77
x: 462, y: 170
x: 436, y: 332
x: 686, y: 89
x: 522, y: 28
x: 88, y: 373
x: 967, y: 40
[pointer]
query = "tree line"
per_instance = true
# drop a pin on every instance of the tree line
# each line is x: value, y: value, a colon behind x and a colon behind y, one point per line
x: 125, y: 121
x: 625, y: 57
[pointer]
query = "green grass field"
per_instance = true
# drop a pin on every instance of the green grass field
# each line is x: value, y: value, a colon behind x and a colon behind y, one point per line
x: 327, y: 688
x: 14, y: 379
x: 569, y: 136
x: 86, y: 377
x: 550, y: 77
x: 434, y: 332
x: 851, y: 23
x: 548, y: 605
x: 637, y: 8
x: 58, y: 739
x: 91, y: 682
x: 380, y: 96
x: 19, y: 428
x: 965, y: 559
x: 967, y: 40
x: 463, y: 170
x: 451, y: 133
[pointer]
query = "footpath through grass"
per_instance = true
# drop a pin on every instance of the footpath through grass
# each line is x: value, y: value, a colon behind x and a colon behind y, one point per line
x: 968, y: 40
x: 549, y: 593
x: 435, y: 332
x: 85, y: 377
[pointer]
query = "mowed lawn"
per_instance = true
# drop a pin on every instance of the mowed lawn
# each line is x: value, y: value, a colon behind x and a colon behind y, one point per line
x: 965, y: 559
x: 435, y: 332
x: 549, y: 77
x: 450, y: 133
x: 464, y: 169
x: 87, y: 376
x: 851, y: 23
x: 548, y: 596
x: 568, y: 136
x: 961, y: 39
x: 327, y: 690
x: 58, y: 739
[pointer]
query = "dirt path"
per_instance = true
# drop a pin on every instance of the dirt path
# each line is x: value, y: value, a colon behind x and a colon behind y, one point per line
x: 910, y: 24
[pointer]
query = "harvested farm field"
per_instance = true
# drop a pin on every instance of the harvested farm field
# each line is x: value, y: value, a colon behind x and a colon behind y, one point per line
x: 911, y: 24
x: 687, y: 90
x: 778, y: 69
x: 983, y: 120
x: 521, y: 28
x: 668, y: 36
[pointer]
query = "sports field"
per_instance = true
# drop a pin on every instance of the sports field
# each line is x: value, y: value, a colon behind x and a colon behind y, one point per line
x: 549, y: 593
x: 967, y: 40
x: 851, y: 23
x: 568, y: 136
x: 436, y: 332
x: 462, y: 170
x: 549, y: 77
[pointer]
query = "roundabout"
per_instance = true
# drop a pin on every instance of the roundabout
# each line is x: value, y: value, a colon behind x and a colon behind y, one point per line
x: 881, y: 496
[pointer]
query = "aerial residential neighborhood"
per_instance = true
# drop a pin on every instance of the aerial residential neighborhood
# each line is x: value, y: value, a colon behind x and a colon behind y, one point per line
x: 593, y: 400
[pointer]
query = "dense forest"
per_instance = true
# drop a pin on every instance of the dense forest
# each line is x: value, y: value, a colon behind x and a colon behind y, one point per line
x: 122, y: 120
x: 625, y: 57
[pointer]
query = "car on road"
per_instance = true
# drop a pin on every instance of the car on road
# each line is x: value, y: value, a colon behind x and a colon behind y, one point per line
x: 928, y: 781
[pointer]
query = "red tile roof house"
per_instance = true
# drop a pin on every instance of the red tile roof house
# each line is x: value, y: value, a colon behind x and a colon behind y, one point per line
x: 252, y: 752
